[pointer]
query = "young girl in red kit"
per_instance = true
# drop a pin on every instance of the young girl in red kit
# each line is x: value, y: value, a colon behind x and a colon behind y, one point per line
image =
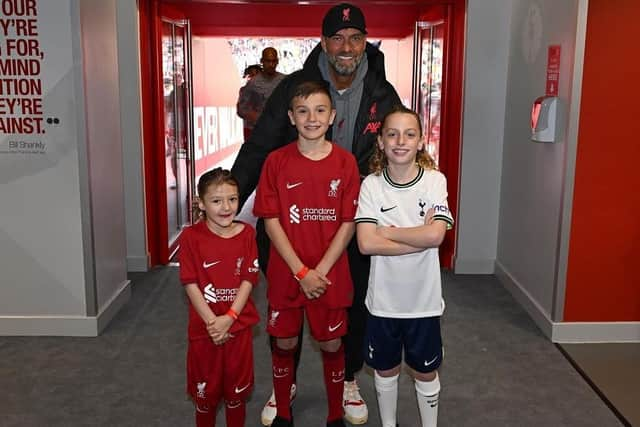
x: 219, y: 267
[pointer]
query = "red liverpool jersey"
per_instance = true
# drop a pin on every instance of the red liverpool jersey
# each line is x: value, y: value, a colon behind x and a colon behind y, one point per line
x: 311, y: 198
x: 218, y: 265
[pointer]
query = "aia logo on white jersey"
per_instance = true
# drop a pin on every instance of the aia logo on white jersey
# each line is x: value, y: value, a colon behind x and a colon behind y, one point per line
x: 333, y: 187
x: 294, y: 214
x: 210, y: 293
x: 441, y: 210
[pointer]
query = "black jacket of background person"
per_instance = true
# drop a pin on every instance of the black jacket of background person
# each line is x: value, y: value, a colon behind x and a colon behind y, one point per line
x: 274, y: 129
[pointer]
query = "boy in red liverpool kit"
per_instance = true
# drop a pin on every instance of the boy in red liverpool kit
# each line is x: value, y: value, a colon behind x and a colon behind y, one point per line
x: 308, y: 195
x: 219, y: 267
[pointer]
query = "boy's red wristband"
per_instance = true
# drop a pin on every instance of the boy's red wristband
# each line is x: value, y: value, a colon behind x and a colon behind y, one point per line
x: 232, y: 314
x: 300, y: 274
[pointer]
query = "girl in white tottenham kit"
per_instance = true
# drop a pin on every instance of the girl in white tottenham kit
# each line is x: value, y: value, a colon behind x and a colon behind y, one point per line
x: 401, y: 220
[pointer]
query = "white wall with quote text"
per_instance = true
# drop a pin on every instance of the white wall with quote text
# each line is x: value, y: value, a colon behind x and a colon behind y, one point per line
x: 51, y: 166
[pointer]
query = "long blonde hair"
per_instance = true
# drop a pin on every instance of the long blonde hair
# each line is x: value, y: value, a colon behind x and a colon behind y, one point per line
x: 378, y: 160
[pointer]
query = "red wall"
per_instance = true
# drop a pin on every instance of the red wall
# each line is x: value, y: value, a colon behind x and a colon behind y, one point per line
x: 216, y: 82
x: 603, y: 282
x: 216, y: 79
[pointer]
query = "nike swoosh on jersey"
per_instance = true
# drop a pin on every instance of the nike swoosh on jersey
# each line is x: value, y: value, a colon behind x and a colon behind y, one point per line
x: 240, y: 390
x: 333, y: 328
x: 290, y: 186
x: 209, y: 264
x: 383, y: 209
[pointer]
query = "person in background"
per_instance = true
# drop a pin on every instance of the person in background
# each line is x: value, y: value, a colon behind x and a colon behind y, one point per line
x: 251, y: 71
x: 361, y: 95
x: 248, y: 99
x: 255, y: 93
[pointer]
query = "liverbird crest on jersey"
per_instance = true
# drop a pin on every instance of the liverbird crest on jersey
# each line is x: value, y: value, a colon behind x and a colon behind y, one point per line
x: 333, y: 187
x: 274, y: 317
x: 201, y: 387
x: 238, y: 265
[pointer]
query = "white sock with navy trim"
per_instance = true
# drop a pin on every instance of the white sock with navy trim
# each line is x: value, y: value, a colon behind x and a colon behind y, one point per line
x: 428, y: 393
x: 387, y: 391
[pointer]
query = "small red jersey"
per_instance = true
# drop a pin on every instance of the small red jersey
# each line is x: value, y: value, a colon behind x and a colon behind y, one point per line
x: 312, y: 199
x: 218, y: 266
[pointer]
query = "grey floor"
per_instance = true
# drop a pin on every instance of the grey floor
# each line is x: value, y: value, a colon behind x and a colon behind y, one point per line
x: 613, y: 370
x: 499, y: 370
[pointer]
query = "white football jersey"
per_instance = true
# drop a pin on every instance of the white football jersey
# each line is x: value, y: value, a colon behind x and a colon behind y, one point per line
x: 404, y: 286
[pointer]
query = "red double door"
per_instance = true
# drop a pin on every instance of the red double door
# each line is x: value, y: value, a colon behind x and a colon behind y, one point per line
x: 433, y: 31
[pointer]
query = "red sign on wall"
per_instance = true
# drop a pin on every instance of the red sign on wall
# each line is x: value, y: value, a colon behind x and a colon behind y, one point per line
x: 553, y: 70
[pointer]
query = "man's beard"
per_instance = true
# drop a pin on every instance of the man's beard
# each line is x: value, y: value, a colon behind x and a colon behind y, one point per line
x: 344, y: 69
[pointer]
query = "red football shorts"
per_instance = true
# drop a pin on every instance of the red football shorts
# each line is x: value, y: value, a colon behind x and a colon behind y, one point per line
x: 220, y: 371
x: 325, y: 324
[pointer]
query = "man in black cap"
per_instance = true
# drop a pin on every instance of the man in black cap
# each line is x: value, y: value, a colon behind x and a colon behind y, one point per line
x: 361, y: 95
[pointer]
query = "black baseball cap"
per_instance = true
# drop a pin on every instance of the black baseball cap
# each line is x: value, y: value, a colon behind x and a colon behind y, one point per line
x: 343, y: 15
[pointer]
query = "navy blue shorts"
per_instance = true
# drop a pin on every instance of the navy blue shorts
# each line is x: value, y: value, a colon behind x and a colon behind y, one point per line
x: 420, y: 339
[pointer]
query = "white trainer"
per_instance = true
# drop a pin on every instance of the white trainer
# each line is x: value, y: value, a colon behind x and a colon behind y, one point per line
x: 270, y: 409
x: 355, y: 408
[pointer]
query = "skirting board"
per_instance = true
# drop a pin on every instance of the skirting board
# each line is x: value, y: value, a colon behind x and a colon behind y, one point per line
x: 596, y: 332
x: 137, y: 264
x: 567, y: 332
x: 474, y: 266
x: 531, y: 306
x: 68, y: 326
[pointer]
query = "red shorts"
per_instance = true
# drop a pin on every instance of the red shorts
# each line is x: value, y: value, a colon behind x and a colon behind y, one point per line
x: 220, y: 371
x: 325, y: 324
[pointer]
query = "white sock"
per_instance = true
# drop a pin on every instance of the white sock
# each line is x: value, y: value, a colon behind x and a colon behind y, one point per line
x: 387, y: 391
x: 427, y: 393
